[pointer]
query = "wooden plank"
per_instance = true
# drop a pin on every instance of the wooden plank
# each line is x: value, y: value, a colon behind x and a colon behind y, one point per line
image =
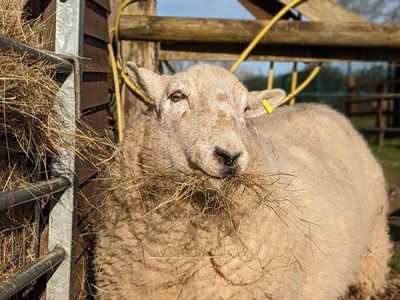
x: 170, y: 29
x: 96, y: 23
x: 94, y: 93
x: 48, y: 10
x: 84, y: 262
x: 88, y: 205
x: 219, y: 51
x: 164, y: 54
x: 325, y: 11
x: 375, y: 130
x: 105, y: 4
x: 98, y: 120
x: 86, y: 171
x: 265, y: 9
x: 88, y: 213
x: 95, y: 52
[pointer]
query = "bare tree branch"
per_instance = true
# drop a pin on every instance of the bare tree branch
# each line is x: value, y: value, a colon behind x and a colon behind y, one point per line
x: 375, y: 10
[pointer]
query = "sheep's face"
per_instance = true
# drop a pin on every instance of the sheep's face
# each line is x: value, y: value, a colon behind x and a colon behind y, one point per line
x: 201, y: 113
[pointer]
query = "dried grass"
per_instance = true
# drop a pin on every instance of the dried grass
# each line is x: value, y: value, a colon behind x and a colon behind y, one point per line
x: 17, y: 228
x: 16, y: 24
x: 33, y: 115
x: 167, y: 192
x: 30, y: 111
x: 33, y: 127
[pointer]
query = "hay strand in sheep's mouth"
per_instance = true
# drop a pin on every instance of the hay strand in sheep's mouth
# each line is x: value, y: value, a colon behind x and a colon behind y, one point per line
x: 166, y: 192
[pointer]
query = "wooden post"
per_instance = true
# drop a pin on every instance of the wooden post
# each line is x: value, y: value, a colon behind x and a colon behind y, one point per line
x: 396, y: 108
x: 380, y: 122
x: 141, y: 52
x: 351, y: 86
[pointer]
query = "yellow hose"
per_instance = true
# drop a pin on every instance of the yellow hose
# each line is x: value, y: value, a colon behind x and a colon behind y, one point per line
x: 270, y: 82
x: 261, y: 34
x: 310, y: 77
x: 114, y: 72
x: 293, y: 83
x: 117, y: 69
x: 258, y: 38
x: 133, y: 87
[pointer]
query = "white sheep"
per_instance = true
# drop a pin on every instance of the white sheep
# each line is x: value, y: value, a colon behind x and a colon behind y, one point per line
x: 322, y: 230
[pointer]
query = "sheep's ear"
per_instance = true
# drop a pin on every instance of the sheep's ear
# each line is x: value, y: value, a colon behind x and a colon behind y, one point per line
x: 149, y: 83
x: 263, y: 102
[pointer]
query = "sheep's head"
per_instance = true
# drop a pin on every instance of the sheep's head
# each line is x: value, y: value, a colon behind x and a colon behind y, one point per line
x: 201, y: 113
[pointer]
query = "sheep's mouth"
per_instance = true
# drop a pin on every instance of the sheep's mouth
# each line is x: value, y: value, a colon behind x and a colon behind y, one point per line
x: 221, y: 173
x: 206, y: 194
x: 226, y: 172
x: 230, y: 172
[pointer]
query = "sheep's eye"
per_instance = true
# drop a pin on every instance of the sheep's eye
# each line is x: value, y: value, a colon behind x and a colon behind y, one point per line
x: 177, y: 96
x: 246, y: 109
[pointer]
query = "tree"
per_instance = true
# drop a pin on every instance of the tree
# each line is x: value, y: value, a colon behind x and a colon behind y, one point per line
x: 375, y: 10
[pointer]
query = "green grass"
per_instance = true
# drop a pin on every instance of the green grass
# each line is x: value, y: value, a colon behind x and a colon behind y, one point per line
x: 389, y: 157
x: 394, y: 262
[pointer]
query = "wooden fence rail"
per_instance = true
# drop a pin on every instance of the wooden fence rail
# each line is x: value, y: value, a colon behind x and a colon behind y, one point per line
x: 194, y: 38
x: 384, y: 109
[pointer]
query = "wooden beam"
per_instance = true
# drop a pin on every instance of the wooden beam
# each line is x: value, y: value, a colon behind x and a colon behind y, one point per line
x: 213, y: 39
x: 325, y: 11
x: 209, y: 55
x: 168, y: 29
x: 315, y: 10
x: 265, y: 10
x: 230, y: 52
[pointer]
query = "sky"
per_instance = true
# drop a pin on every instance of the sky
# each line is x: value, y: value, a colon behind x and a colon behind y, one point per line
x: 220, y: 9
x: 228, y: 9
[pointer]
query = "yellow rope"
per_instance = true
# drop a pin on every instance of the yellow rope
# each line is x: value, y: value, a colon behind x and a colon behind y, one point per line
x: 261, y: 34
x: 304, y: 84
x: 114, y: 72
x: 258, y: 38
x: 270, y: 82
x: 118, y: 70
x: 293, y: 83
x: 133, y: 87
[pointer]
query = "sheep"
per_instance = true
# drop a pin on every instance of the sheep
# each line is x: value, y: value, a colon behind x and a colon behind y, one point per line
x: 319, y: 230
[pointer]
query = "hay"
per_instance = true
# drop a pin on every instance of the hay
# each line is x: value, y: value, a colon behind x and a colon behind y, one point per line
x: 17, y: 227
x: 33, y: 129
x: 27, y: 101
x: 17, y: 24
x: 30, y: 111
x: 33, y: 115
x: 189, y: 195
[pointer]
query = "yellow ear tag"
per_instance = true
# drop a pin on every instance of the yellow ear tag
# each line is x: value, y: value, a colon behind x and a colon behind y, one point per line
x: 267, y: 106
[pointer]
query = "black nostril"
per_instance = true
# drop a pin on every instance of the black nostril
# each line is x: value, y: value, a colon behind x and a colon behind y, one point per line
x: 228, y: 159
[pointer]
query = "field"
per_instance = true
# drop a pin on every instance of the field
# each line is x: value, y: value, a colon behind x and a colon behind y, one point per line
x: 389, y: 157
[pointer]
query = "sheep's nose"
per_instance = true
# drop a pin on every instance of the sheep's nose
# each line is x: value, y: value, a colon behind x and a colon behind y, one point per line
x: 228, y: 159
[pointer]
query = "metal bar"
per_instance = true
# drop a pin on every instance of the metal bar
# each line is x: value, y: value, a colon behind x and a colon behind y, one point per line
x: 69, y: 32
x: 62, y: 65
x: 19, y: 196
x: 39, y: 267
